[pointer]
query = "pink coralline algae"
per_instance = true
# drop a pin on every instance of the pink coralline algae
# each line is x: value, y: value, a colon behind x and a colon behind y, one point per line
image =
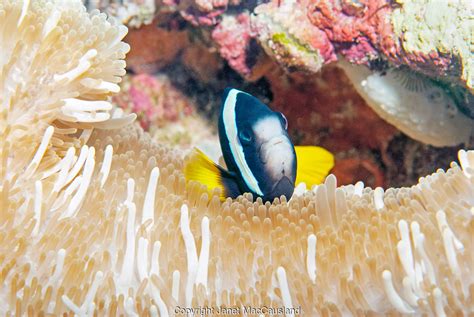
x: 285, y: 32
x: 357, y: 29
x: 199, y: 12
x: 233, y: 36
x: 154, y: 100
x: 366, y: 31
x: 428, y: 36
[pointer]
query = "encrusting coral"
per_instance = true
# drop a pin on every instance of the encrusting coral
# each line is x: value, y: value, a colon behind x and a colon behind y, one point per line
x: 429, y: 36
x: 113, y: 227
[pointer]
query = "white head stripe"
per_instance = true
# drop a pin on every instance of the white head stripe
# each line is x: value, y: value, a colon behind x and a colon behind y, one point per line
x: 230, y: 125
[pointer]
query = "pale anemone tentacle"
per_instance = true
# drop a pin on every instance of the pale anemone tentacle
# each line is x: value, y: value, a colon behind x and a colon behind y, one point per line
x: 359, y: 186
x: 38, y: 203
x: 64, y: 169
x: 378, y: 198
x: 191, y: 253
x: 149, y: 256
x: 203, y: 262
x: 175, y: 286
x: 68, y: 60
x: 148, y: 212
x: 105, y: 169
x: 129, y: 258
x: 311, y: 257
x: 392, y: 294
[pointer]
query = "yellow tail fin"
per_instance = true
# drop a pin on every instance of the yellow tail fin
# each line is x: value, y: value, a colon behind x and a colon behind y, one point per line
x: 202, y: 169
x: 314, y: 164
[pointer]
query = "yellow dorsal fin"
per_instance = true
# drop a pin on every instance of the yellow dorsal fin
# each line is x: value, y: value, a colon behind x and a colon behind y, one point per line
x: 201, y: 168
x: 314, y: 164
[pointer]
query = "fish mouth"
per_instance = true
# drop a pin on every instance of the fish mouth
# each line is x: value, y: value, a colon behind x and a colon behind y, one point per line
x: 284, y: 187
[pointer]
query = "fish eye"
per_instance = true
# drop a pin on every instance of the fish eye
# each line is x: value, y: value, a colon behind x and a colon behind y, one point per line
x: 245, y: 136
x: 283, y: 120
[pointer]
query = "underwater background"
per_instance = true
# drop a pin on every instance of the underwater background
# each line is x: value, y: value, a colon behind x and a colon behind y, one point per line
x: 184, y: 53
x: 103, y: 101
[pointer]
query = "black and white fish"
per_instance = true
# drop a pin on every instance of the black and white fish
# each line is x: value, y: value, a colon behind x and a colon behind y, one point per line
x: 258, y: 153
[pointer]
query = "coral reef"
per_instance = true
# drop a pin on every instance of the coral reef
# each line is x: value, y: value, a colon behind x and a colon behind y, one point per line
x: 307, y: 34
x: 442, y: 39
x: 232, y: 36
x: 134, y: 13
x: 153, y: 99
x: 428, y: 36
x: 96, y: 218
x: 366, y: 31
x: 386, y: 36
x: 200, y: 12
x: 286, y: 34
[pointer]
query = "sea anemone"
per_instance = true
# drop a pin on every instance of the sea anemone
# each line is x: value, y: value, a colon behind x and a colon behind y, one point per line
x: 127, y: 235
x: 58, y: 65
x: 96, y: 221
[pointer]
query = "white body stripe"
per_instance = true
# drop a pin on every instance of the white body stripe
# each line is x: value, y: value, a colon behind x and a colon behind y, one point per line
x: 230, y: 126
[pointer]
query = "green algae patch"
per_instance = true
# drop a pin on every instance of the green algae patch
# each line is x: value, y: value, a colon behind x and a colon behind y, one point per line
x: 287, y: 41
x: 293, y: 55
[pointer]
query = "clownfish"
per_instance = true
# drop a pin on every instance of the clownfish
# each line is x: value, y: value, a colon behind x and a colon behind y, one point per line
x: 258, y: 153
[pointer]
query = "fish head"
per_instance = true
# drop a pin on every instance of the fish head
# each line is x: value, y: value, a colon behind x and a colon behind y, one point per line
x: 276, y: 155
x: 256, y: 146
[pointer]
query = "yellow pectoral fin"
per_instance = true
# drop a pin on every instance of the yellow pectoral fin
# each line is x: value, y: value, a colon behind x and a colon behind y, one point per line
x: 314, y: 164
x: 201, y: 168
